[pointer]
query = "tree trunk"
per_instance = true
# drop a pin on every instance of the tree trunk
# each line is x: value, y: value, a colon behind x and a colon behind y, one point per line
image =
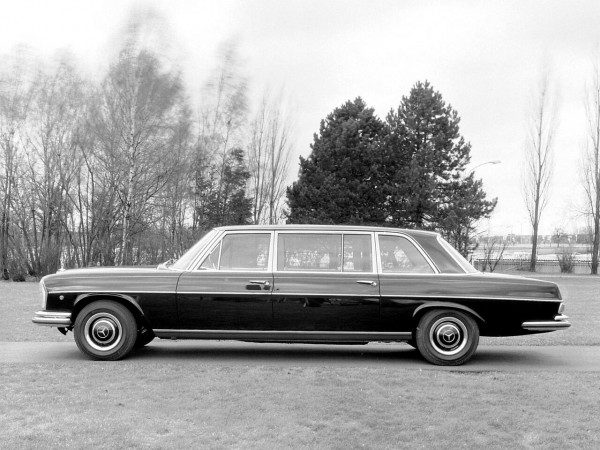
x: 130, y: 177
x: 534, y: 240
x: 596, y: 241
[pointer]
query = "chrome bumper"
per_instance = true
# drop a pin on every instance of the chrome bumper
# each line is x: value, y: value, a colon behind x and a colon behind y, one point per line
x: 558, y: 323
x: 52, y: 318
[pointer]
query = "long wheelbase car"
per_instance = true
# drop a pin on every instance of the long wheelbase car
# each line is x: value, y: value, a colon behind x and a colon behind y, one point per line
x: 302, y: 283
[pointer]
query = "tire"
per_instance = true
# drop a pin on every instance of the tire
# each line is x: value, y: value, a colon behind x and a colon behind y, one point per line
x: 447, y: 337
x: 144, y: 337
x: 105, y: 330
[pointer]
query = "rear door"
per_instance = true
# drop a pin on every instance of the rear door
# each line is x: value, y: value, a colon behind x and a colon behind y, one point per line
x: 405, y: 273
x: 325, y: 281
x: 231, y: 288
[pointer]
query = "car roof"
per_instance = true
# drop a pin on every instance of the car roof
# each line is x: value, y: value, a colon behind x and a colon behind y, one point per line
x: 299, y: 227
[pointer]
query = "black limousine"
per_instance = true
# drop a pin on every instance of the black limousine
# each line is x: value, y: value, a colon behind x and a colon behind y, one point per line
x: 302, y: 283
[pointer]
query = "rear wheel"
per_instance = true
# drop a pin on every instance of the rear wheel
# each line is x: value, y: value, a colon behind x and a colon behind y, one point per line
x: 447, y: 337
x: 105, y: 330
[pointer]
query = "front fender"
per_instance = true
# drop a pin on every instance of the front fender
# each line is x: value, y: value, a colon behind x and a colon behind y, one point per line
x: 121, y: 298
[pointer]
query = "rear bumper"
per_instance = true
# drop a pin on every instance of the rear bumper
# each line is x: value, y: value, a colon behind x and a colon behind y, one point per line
x: 52, y: 318
x: 558, y: 323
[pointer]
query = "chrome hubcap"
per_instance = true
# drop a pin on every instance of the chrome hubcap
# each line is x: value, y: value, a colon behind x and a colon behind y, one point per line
x: 448, y: 335
x: 103, y: 331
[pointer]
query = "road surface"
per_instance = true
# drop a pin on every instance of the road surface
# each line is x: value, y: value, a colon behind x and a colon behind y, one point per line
x: 230, y: 353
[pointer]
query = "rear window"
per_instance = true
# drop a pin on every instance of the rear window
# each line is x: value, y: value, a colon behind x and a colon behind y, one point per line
x: 439, y: 255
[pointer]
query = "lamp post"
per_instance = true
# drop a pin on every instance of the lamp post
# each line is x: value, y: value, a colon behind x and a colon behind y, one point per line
x: 495, y: 161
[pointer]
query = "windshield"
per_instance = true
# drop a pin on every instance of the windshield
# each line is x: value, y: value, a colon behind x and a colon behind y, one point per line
x: 187, y: 258
x: 460, y: 259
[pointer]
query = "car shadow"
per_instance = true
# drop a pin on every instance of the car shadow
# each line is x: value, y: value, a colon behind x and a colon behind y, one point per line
x: 233, y: 352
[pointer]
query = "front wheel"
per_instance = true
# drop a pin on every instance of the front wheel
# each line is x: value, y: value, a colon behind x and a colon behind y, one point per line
x: 447, y: 337
x: 105, y: 330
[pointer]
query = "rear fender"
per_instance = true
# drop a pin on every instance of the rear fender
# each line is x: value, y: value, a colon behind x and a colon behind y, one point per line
x: 445, y: 305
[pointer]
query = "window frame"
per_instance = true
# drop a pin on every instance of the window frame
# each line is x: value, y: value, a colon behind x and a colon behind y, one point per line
x: 428, y: 260
x: 371, y: 235
x: 219, y: 241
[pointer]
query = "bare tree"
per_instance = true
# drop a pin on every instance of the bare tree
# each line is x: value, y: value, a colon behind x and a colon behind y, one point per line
x: 539, y: 157
x: 140, y: 109
x: 591, y: 162
x: 493, y: 252
x: 16, y: 91
x: 220, y: 129
x: 48, y: 169
x: 269, y: 152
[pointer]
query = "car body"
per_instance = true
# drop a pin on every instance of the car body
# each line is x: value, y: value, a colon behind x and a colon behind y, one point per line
x: 302, y: 283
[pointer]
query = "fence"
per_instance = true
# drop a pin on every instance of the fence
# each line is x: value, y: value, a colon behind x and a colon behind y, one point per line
x: 541, y: 266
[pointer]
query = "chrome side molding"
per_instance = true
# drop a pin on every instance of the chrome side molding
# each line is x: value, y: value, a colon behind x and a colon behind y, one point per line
x: 285, y: 336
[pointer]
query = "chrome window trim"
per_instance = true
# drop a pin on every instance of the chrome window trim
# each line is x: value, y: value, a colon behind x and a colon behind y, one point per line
x: 203, y: 252
x: 441, y: 242
x: 195, y: 267
x: 317, y: 272
x: 341, y: 271
x: 428, y: 260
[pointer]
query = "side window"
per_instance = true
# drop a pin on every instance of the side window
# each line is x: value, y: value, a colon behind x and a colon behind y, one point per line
x: 309, y: 252
x: 399, y: 255
x: 357, y: 253
x: 240, y: 251
x: 212, y: 261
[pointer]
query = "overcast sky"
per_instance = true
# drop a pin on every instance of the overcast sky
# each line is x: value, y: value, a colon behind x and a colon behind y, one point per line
x: 484, y: 57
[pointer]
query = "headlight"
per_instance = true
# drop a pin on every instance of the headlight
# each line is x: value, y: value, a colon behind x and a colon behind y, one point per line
x: 43, y: 293
x: 561, y: 308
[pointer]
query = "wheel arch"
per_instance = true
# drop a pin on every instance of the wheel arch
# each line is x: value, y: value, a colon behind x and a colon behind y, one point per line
x: 426, y: 307
x: 127, y: 301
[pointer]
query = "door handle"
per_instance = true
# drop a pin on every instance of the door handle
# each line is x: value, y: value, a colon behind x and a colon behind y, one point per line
x: 264, y: 283
x: 367, y: 282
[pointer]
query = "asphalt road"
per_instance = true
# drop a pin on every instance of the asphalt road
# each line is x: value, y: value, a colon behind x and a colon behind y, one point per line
x: 230, y: 353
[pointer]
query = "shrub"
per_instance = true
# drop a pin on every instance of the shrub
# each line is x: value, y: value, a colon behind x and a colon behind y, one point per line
x: 566, y: 261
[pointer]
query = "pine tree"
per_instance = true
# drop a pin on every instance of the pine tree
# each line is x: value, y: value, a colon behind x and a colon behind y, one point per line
x: 426, y: 159
x: 427, y: 152
x: 338, y: 182
x: 407, y: 172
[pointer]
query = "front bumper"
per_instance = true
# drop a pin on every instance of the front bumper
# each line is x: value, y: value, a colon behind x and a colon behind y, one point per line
x: 52, y: 318
x: 560, y: 321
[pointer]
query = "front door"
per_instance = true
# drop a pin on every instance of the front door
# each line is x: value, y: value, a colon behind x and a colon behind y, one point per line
x: 325, y: 282
x: 231, y: 288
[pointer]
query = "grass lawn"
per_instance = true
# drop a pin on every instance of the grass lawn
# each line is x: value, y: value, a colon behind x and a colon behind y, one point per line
x: 18, y: 304
x: 142, y: 404
x: 185, y: 403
